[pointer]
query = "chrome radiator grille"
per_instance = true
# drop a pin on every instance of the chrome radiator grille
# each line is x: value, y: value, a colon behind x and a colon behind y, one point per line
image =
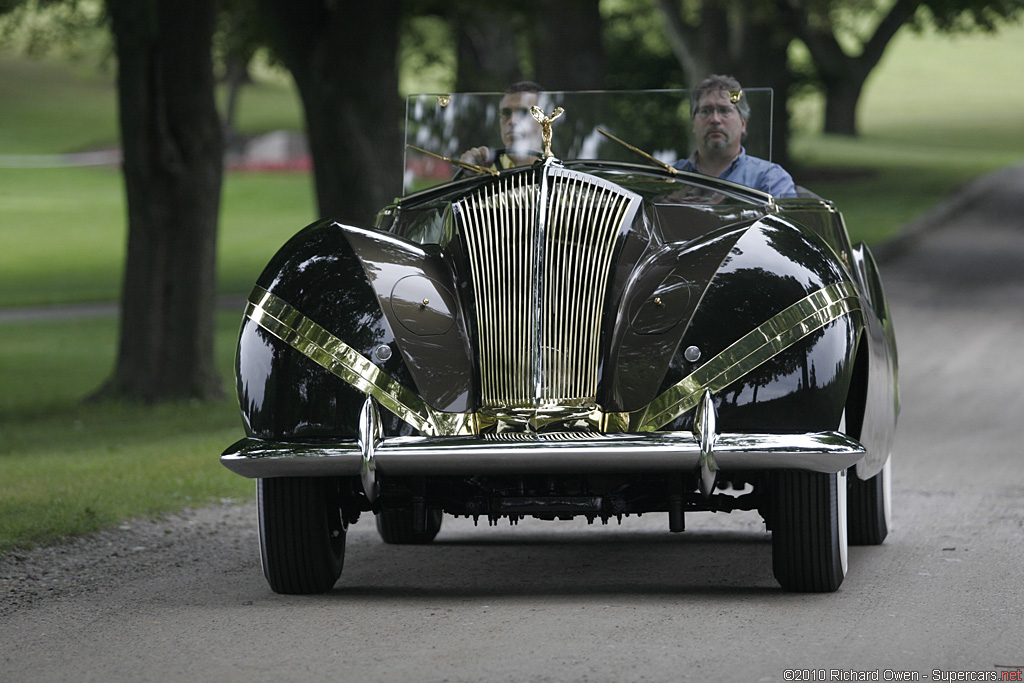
x: 540, y: 247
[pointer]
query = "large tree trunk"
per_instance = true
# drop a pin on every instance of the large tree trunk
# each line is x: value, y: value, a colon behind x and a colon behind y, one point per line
x: 688, y: 41
x: 343, y: 57
x: 842, y: 75
x: 487, y: 58
x: 171, y: 137
x: 841, y: 99
x: 764, y: 63
x: 566, y: 45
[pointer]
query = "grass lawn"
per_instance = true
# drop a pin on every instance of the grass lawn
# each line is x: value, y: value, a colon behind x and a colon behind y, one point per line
x: 68, y: 467
x: 935, y: 115
x: 62, y: 232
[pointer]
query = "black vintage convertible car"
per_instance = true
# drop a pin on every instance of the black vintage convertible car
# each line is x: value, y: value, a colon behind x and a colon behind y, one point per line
x: 590, y: 334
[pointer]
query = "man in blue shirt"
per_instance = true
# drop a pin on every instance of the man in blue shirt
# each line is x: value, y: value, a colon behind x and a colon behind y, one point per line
x: 719, y: 112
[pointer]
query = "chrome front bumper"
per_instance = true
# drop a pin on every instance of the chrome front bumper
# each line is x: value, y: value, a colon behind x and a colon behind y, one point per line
x: 704, y: 449
x: 544, y: 454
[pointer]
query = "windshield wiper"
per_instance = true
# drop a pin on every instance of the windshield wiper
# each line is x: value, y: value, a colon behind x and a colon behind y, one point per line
x: 671, y: 169
x: 457, y: 162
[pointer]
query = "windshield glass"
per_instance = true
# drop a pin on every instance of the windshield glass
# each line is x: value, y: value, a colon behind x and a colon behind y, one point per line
x: 495, y: 130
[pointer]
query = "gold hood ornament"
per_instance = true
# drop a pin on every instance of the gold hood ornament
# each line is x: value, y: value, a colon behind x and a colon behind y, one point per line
x: 545, y: 122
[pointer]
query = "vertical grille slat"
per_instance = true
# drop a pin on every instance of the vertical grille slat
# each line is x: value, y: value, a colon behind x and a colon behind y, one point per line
x: 555, y: 258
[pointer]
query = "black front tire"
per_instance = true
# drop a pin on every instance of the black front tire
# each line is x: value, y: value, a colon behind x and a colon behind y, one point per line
x: 302, y: 533
x: 396, y: 526
x: 869, y: 507
x: 809, y: 534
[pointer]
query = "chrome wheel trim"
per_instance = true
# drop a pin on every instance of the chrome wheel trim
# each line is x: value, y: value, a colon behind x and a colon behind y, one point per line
x: 842, y: 519
x: 886, y: 475
x: 841, y: 495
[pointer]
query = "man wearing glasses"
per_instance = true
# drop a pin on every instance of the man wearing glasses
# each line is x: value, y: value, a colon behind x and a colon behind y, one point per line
x: 719, y: 112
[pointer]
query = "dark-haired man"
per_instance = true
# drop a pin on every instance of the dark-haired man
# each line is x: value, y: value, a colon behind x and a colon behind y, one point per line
x: 520, y: 132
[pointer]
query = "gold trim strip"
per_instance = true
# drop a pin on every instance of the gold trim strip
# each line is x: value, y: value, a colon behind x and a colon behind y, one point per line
x: 746, y: 354
x: 775, y: 335
x: 285, y: 322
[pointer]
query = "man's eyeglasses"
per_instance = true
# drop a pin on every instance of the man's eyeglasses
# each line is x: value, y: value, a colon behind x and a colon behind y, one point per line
x: 723, y: 111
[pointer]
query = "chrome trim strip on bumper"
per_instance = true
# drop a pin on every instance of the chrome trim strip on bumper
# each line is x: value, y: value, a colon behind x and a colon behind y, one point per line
x: 544, y: 454
x: 370, y: 435
x: 705, y: 433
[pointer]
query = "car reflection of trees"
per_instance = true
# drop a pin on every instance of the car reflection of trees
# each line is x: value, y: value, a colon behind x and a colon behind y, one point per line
x: 296, y: 397
x: 799, y: 385
x: 763, y: 294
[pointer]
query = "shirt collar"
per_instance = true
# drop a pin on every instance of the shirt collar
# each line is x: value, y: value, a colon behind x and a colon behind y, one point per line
x: 728, y: 169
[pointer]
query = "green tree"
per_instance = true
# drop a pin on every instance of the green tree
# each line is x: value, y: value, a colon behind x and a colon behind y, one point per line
x: 486, y: 44
x: 844, y: 54
x: 637, y: 48
x: 845, y: 39
x: 172, y: 167
x: 239, y: 35
x: 566, y: 45
x: 39, y: 27
x: 558, y: 44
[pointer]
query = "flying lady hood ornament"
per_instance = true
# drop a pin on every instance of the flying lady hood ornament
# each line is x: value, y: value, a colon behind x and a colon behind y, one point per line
x: 545, y: 122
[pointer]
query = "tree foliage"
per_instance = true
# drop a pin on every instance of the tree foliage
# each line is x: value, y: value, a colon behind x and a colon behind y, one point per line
x: 566, y: 46
x: 40, y: 27
x: 637, y: 48
x: 847, y: 38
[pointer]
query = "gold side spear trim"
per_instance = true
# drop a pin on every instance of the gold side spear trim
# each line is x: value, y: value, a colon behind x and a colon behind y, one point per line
x: 639, y: 151
x: 457, y: 162
x: 749, y: 352
x: 735, y: 95
x: 545, y: 122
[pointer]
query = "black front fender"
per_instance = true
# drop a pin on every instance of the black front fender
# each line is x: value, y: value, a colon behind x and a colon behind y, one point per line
x: 286, y: 394
x: 797, y: 386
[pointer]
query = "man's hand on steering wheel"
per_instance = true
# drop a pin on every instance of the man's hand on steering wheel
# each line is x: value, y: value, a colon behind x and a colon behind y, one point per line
x: 481, y: 156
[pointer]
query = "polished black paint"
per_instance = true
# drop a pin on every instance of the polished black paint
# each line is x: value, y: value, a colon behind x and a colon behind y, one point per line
x: 804, y: 388
x: 416, y: 290
x: 879, y: 381
x: 282, y: 393
x: 647, y: 333
x: 718, y: 270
